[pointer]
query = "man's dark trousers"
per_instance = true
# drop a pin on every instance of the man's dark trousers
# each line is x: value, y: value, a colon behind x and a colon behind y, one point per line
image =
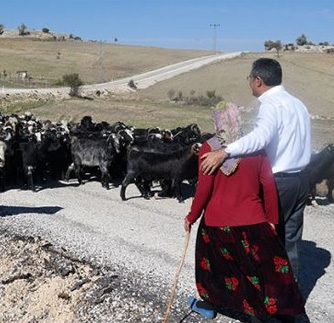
x: 293, y: 190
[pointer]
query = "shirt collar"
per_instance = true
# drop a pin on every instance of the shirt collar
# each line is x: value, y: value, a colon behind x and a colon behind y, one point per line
x: 274, y: 89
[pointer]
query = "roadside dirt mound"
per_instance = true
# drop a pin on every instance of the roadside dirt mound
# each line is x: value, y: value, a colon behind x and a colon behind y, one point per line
x: 40, y: 283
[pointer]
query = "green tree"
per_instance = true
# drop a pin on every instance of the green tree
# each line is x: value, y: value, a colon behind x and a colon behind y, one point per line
x: 277, y: 45
x: 74, y: 82
x: 301, y: 40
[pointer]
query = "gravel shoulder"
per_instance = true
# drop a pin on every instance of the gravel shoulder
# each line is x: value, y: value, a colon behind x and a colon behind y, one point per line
x: 137, y: 244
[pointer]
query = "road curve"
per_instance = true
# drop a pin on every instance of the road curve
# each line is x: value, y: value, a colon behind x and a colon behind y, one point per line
x: 142, y: 81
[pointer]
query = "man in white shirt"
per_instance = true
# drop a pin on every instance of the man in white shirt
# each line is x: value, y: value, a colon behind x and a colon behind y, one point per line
x: 283, y: 129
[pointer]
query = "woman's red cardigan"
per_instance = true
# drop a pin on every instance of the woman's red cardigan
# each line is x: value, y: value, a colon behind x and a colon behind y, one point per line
x: 247, y: 196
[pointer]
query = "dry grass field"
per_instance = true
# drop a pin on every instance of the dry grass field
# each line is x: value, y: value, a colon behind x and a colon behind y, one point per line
x: 310, y: 76
x: 48, y: 61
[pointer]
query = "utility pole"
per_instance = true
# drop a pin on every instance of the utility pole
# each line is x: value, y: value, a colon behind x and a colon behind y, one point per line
x: 100, y: 62
x: 215, y: 36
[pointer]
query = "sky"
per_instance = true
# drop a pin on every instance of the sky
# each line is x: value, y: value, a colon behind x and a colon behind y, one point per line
x: 219, y: 25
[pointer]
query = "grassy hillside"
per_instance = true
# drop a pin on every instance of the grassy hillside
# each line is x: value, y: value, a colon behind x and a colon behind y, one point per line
x: 48, y: 61
x: 310, y: 76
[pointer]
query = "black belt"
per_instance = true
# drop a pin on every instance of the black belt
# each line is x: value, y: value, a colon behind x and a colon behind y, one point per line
x: 295, y: 174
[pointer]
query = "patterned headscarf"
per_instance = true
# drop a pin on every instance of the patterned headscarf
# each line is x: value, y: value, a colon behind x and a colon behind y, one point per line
x: 227, y: 122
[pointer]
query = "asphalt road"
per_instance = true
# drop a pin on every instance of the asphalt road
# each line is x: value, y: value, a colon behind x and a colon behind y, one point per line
x: 147, y: 237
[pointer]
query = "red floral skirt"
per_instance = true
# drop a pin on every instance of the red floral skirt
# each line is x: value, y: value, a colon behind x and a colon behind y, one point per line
x: 246, y: 269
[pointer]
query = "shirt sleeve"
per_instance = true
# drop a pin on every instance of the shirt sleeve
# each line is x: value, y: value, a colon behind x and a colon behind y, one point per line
x: 203, y: 190
x: 270, y: 198
x: 264, y: 130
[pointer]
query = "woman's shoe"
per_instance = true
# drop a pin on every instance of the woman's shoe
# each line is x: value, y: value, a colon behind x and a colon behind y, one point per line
x: 201, y: 307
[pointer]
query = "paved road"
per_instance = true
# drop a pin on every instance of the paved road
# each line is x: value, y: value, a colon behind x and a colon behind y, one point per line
x: 147, y: 237
x: 142, y: 81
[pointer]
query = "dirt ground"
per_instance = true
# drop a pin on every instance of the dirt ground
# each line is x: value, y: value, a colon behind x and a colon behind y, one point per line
x: 42, y: 283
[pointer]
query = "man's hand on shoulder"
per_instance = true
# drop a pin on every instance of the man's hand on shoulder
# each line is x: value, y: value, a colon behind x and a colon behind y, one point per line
x: 212, y: 160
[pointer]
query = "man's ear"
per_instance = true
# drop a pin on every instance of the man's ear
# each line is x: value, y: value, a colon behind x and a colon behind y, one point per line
x: 259, y: 82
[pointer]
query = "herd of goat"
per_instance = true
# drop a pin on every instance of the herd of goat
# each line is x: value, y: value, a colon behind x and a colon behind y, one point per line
x: 34, y: 152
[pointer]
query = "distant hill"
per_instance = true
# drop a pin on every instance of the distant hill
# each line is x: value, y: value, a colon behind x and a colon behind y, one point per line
x: 46, y: 60
x: 38, y: 35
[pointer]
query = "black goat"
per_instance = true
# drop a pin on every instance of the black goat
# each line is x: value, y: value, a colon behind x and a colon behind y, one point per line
x: 319, y: 167
x: 330, y: 182
x: 3, y: 148
x: 30, y: 160
x: 151, y: 165
x: 187, y: 135
x: 93, y: 152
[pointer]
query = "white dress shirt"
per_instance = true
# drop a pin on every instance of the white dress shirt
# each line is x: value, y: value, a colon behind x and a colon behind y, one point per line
x: 282, y: 128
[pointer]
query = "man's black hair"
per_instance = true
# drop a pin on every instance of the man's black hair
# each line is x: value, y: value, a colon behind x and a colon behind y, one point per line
x: 269, y: 70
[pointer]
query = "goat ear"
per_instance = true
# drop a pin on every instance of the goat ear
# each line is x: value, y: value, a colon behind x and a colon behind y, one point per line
x: 118, y: 128
x: 195, y: 128
x: 196, y: 147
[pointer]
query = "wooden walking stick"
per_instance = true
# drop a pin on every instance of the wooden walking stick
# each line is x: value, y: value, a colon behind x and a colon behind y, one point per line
x: 176, y: 278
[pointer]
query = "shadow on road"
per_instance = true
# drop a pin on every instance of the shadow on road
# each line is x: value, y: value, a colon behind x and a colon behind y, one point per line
x: 187, y: 191
x: 314, y: 261
x: 16, y: 210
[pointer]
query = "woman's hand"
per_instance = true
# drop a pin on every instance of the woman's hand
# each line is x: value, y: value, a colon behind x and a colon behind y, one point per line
x: 187, y: 225
x: 272, y: 226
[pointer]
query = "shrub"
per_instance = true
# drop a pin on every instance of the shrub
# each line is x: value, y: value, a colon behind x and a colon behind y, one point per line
x: 22, y: 30
x: 206, y: 101
x: 289, y: 46
x: 45, y: 30
x: 171, y: 94
x: 203, y: 101
x: 2, y: 28
x: 132, y: 85
x: 74, y: 82
x: 211, y: 94
x: 330, y: 50
x: 179, y: 96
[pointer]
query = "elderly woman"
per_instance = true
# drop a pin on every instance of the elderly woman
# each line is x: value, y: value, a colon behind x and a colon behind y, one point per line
x: 240, y: 261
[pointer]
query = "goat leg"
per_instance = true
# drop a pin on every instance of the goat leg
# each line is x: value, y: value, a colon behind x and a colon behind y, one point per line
x: 126, y: 181
x: 30, y: 179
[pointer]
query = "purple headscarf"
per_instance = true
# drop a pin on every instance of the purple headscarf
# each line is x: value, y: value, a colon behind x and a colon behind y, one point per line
x: 227, y: 122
